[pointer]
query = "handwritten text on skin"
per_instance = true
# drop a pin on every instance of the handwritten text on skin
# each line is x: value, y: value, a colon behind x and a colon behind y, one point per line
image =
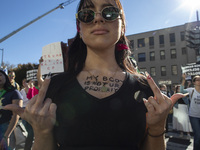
x: 95, y: 83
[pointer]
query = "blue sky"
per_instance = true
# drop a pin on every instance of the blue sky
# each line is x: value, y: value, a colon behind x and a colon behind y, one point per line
x: 26, y: 45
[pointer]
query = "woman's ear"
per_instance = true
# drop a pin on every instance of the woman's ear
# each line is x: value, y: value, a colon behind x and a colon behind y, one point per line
x: 122, y: 30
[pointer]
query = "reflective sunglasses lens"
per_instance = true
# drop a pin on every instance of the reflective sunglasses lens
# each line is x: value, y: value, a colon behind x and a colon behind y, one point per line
x: 110, y: 13
x: 86, y: 16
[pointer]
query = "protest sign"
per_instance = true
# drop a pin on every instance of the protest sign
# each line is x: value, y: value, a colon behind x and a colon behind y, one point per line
x: 31, y: 75
x: 52, y: 59
x: 191, y: 69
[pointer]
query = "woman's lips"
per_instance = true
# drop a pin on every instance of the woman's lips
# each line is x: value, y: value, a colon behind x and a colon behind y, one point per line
x: 99, y: 31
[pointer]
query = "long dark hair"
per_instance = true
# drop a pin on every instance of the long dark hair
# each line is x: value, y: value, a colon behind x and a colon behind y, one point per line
x: 7, y: 86
x: 78, y: 51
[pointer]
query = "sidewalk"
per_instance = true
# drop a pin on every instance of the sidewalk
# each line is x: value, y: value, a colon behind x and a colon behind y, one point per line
x: 175, y: 142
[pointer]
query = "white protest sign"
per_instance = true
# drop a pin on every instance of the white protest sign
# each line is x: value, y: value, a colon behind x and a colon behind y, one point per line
x: 191, y: 69
x: 31, y: 75
x: 52, y: 59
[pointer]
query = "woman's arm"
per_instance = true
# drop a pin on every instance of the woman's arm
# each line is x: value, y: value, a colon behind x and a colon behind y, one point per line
x: 44, y: 141
x: 182, y: 90
x: 154, y: 140
x: 158, y: 107
x: 14, y: 119
x: 39, y: 75
x: 41, y: 114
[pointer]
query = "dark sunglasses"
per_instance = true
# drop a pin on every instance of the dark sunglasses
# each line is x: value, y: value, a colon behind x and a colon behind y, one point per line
x: 11, y: 75
x: 108, y: 13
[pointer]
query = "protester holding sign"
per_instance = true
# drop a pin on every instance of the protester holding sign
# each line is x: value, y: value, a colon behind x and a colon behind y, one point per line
x: 194, y: 109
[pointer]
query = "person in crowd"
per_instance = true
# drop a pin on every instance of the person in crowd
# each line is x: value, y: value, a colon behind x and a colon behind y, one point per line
x: 24, y: 91
x: 11, y: 76
x: 163, y: 89
x: 8, y: 120
x: 194, y: 109
x: 181, y: 120
x: 30, y: 135
x: 33, y: 89
x: 92, y: 105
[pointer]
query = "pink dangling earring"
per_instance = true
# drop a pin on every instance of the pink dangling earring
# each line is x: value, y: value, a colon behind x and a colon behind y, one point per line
x: 121, y: 47
x: 77, y: 26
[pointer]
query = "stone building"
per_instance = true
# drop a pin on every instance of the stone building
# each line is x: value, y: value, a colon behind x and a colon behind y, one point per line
x: 162, y: 52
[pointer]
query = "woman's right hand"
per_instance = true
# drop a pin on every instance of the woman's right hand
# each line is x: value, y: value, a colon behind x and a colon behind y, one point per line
x: 183, y: 76
x: 40, y: 113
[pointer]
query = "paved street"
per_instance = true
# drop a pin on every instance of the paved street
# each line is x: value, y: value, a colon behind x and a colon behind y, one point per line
x: 174, y: 141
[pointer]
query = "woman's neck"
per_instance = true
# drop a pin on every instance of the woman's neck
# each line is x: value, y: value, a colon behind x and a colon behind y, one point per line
x: 101, y: 60
x: 197, y: 88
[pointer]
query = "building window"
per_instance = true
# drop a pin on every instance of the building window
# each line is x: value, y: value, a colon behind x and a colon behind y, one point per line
x: 198, y: 52
x: 182, y: 35
x: 174, y: 70
x: 143, y: 70
x: 152, y: 56
x: 161, y: 40
x: 162, y: 54
x: 173, y: 53
x: 172, y: 39
x: 151, y: 42
x: 131, y: 44
x: 141, y: 42
x: 184, y: 51
x: 141, y: 57
x: 153, y: 71
x: 163, y: 71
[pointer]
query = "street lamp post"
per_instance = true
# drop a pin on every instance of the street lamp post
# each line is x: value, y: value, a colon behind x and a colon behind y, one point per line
x: 2, y: 57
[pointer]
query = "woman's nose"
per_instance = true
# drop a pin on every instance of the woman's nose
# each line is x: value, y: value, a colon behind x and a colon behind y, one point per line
x: 98, y: 18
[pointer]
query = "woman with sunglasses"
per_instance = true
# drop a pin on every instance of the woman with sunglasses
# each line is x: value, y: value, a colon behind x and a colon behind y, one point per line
x: 98, y: 103
x: 8, y: 120
x: 194, y: 107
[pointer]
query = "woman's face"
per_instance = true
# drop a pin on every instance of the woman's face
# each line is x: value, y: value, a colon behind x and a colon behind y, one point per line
x: 101, y: 34
x: 2, y: 79
x: 197, y: 81
x: 178, y: 89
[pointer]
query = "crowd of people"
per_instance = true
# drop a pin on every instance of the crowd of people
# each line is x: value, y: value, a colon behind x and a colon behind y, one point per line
x: 101, y: 101
x: 185, y: 114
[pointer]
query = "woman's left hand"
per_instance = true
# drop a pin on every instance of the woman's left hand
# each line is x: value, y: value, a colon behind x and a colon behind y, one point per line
x: 158, y: 107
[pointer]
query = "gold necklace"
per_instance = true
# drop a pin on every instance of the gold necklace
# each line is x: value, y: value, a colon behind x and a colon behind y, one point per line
x: 103, y: 88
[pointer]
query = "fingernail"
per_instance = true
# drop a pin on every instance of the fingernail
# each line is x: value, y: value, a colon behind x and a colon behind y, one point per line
x: 147, y: 75
x: 145, y: 100
x: 48, y: 76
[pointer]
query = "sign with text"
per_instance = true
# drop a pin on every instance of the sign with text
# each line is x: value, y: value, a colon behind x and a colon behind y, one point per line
x: 31, y: 75
x: 52, y: 59
x: 191, y: 69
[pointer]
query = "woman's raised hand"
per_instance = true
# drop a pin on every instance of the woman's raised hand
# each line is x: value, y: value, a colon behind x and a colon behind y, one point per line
x: 40, y: 113
x: 158, y: 107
